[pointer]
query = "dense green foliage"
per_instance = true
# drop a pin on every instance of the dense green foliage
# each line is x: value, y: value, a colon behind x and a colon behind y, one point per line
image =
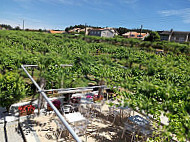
x: 79, y: 26
x: 122, y: 30
x: 12, y: 89
x: 143, y: 45
x: 155, y: 83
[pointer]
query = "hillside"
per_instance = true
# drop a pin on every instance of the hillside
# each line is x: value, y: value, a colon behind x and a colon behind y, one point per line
x: 159, y: 83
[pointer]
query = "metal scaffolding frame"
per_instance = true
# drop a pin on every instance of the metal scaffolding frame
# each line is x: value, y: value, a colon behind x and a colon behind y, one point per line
x: 68, y: 90
x: 68, y: 127
x: 78, y: 89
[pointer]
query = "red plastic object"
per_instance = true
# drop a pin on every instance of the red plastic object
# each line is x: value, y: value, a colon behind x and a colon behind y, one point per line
x: 56, y: 103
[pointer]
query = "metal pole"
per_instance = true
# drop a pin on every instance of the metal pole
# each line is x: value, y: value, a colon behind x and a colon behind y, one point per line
x: 141, y: 30
x: 53, y: 107
x: 30, y: 65
x: 78, y: 88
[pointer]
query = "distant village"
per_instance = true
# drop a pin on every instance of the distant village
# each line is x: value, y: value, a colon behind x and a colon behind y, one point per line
x: 109, y: 32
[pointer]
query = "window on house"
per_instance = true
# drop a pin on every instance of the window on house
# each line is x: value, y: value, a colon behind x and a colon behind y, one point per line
x: 164, y: 37
x: 181, y: 39
x: 139, y: 36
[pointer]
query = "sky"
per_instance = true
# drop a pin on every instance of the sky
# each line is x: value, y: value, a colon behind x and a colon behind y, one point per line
x: 59, y: 14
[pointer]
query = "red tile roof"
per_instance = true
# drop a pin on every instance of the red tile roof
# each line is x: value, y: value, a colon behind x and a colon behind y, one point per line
x: 56, y: 32
x: 134, y: 35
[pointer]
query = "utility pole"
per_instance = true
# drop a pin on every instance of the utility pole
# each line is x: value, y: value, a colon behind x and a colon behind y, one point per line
x: 23, y: 25
x: 141, y: 29
x: 85, y: 30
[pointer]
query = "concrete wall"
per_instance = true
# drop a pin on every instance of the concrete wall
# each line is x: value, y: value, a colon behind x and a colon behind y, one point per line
x: 107, y: 33
x: 102, y: 33
x: 164, y: 37
x: 178, y: 37
x: 95, y: 33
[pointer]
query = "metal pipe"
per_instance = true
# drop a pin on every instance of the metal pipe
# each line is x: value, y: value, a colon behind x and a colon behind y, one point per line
x: 66, y: 65
x: 52, y: 106
x: 30, y: 65
x: 68, y: 89
x: 74, y: 91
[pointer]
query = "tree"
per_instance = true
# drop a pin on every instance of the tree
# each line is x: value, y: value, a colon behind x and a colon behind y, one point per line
x: 6, y: 26
x: 12, y: 89
x: 154, y: 36
x: 80, y: 26
x: 17, y: 28
x: 122, y: 30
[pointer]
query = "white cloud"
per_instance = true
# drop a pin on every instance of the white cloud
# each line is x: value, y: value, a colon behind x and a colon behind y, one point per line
x: 9, y: 22
x: 26, y: 4
x: 183, y: 13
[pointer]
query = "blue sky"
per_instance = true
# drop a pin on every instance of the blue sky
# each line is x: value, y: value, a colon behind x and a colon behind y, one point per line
x: 58, y: 14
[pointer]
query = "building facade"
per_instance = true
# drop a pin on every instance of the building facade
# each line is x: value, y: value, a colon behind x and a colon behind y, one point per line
x: 135, y: 35
x: 176, y: 36
x: 113, y: 30
x: 101, y: 33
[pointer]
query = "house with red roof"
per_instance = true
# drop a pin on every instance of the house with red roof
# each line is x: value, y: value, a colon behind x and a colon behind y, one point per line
x: 56, y: 32
x: 135, y: 35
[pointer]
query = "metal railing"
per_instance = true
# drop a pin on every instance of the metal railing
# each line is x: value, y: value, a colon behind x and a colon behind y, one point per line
x: 68, y: 127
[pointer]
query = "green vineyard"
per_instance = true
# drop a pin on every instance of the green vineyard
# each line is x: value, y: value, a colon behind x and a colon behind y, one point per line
x: 151, y: 83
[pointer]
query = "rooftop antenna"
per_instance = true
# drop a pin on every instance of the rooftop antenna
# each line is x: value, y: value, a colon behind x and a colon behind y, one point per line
x: 85, y: 30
